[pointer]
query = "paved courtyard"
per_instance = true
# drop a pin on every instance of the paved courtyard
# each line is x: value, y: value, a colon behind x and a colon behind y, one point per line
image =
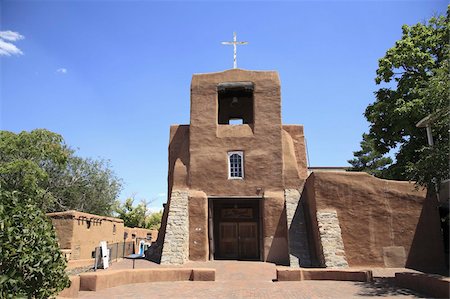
x: 251, y: 280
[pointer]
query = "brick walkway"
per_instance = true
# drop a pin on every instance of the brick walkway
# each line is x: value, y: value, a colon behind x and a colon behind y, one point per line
x: 250, y: 280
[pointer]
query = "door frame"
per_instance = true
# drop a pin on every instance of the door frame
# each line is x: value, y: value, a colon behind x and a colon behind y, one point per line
x: 260, y: 221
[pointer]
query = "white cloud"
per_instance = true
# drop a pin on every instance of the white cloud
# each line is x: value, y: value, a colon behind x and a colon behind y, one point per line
x: 61, y: 70
x: 7, y: 48
x: 11, y: 36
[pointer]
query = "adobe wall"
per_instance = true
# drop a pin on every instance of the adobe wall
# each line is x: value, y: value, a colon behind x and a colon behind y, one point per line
x: 383, y: 223
x: 261, y: 142
x: 294, y: 156
x: 198, y: 226
x: 85, y: 237
x: 140, y: 233
x: 275, y: 232
x: 274, y: 155
x: 64, y: 231
x: 179, y: 158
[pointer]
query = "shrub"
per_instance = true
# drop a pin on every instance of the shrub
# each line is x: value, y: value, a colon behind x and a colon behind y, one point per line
x: 31, y: 263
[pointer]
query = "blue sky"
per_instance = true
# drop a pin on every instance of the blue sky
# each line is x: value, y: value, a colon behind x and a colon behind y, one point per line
x: 112, y: 76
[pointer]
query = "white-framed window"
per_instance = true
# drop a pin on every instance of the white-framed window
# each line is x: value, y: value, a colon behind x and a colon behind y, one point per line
x: 235, y: 165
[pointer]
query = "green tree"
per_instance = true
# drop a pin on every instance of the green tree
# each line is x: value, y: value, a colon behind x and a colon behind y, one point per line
x: 40, y: 164
x: 31, y: 264
x: 154, y: 220
x: 368, y: 159
x: 85, y: 185
x: 137, y: 215
x: 415, y: 77
x: 132, y: 216
x: 23, y: 159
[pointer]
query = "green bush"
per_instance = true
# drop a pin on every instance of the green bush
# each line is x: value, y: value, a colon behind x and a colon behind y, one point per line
x: 31, y: 264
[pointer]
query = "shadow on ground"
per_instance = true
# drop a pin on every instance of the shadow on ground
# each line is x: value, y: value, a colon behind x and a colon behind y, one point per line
x: 385, y: 286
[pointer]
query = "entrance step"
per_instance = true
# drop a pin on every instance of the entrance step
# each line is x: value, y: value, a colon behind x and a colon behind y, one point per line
x: 239, y: 270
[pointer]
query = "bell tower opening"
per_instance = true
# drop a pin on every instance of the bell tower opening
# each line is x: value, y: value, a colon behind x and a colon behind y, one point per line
x: 235, y: 103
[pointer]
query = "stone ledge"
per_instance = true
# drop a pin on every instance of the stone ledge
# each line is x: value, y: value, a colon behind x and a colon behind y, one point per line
x: 323, y: 274
x: 429, y: 284
x: 95, y: 281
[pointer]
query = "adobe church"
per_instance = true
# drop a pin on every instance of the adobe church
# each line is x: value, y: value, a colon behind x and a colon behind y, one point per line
x: 239, y: 189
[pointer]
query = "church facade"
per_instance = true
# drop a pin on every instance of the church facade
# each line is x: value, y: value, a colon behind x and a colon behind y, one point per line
x: 239, y: 189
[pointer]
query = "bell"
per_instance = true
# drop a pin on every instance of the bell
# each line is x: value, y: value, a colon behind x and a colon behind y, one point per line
x: 234, y: 102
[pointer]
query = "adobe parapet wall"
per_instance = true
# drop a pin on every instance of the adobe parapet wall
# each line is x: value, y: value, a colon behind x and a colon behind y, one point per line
x: 382, y: 223
x: 76, y: 215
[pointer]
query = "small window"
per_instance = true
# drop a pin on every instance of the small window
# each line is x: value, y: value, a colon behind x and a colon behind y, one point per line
x: 133, y: 236
x: 235, y: 165
x: 114, y: 229
x: 88, y: 224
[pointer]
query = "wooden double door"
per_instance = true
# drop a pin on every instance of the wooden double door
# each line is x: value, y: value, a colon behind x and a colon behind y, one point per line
x: 238, y: 240
x: 237, y: 230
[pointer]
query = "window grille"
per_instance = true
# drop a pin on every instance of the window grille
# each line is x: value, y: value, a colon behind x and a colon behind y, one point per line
x: 235, y: 165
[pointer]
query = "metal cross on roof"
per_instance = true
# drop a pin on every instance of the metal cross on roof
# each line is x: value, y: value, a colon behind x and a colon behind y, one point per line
x: 234, y: 43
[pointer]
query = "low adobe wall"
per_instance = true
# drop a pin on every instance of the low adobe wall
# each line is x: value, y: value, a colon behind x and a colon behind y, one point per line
x: 72, y: 291
x: 431, y: 285
x: 95, y: 281
x: 73, y: 264
x: 382, y: 223
x: 324, y: 274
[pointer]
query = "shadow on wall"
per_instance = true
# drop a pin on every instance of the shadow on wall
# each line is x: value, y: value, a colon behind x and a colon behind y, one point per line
x: 427, y: 249
x: 178, y: 149
x: 308, y: 200
x: 298, y: 236
x: 278, y: 252
x: 153, y: 254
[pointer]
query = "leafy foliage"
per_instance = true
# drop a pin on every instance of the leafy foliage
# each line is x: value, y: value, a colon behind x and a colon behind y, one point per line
x: 23, y: 160
x: 31, y: 264
x: 137, y: 216
x: 84, y: 185
x: 369, y: 159
x: 415, y: 74
x: 40, y: 173
x: 40, y: 164
x: 154, y: 220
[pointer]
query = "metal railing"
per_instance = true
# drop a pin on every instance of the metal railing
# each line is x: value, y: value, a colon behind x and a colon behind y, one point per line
x: 116, y: 251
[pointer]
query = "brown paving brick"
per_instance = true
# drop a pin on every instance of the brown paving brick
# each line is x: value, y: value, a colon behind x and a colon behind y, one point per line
x: 248, y: 280
x: 252, y: 289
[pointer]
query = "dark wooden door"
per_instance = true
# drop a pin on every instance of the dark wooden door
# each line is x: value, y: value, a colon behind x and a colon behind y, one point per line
x: 239, y: 240
x: 236, y: 229
x: 248, y: 240
x: 228, y: 239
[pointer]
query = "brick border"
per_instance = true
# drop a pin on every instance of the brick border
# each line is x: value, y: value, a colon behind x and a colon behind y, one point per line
x: 324, y: 274
x: 95, y: 281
